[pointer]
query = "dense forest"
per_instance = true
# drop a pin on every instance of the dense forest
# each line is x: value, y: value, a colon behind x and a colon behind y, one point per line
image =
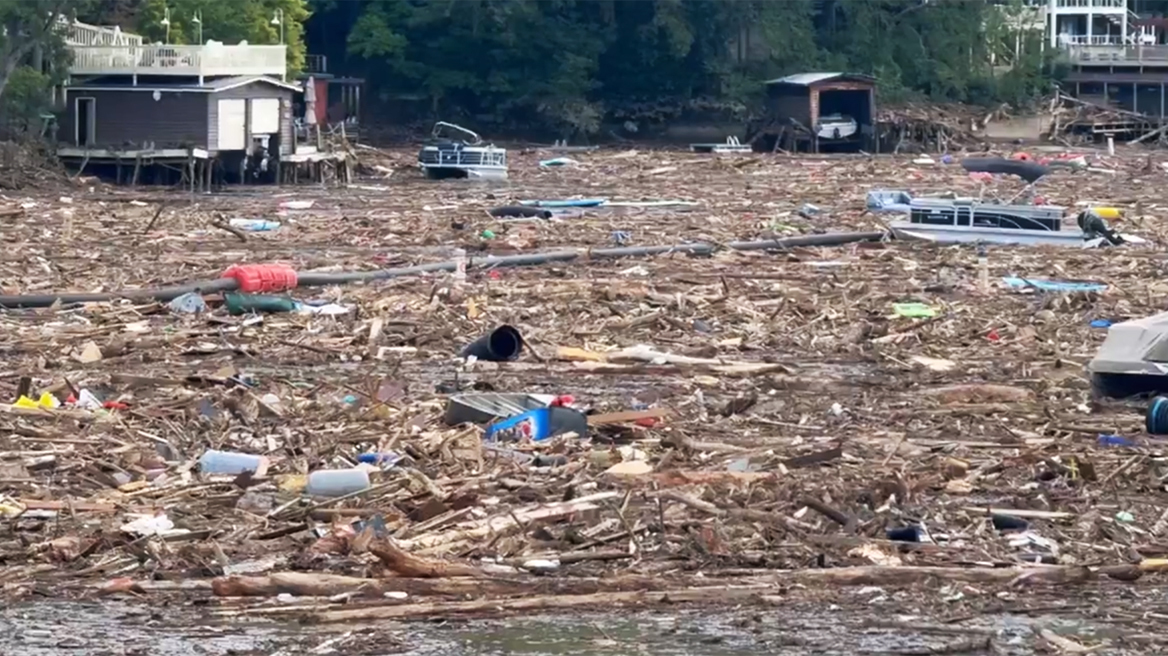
x: 568, y: 65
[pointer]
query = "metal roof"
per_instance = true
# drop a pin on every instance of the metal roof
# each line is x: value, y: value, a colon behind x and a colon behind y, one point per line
x: 807, y: 79
x: 211, y: 86
x: 226, y: 83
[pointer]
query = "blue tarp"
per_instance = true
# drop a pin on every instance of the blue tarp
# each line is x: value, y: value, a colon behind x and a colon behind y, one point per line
x: 1055, y: 285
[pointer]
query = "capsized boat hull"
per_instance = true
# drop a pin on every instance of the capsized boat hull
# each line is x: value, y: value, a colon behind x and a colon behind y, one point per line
x: 945, y: 234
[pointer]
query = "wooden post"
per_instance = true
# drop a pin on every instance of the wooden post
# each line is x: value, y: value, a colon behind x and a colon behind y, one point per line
x: 137, y: 169
x: 84, y: 163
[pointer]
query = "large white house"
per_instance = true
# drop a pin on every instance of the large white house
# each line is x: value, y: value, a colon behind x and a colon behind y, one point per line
x: 1106, y: 32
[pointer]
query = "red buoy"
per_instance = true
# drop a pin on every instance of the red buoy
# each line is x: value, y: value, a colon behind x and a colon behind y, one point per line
x: 262, y: 278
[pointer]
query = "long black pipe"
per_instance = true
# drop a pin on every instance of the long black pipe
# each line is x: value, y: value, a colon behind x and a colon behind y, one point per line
x: 489, y: 262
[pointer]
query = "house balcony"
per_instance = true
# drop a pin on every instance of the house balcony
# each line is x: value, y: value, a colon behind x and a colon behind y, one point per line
x: 1071, y: 7
x: 212, y: 60
x: 1119, y: 55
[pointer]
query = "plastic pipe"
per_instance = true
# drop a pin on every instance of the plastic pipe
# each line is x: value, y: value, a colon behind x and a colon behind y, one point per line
x: 163, y: 294
x: 166, y: 294
x: 502, y: 344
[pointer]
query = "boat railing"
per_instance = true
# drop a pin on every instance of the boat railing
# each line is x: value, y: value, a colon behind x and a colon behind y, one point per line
x: 458, y: 156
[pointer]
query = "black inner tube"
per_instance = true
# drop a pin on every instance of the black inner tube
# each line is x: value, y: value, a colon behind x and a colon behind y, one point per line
x: 521, y: 211
x: 1028, y: 171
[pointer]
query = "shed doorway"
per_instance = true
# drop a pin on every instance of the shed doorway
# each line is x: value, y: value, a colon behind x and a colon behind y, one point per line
x: 84, y: 122
x: 847, y: 113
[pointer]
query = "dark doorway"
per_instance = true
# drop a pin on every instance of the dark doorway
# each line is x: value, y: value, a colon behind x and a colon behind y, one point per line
x: 85, y: 118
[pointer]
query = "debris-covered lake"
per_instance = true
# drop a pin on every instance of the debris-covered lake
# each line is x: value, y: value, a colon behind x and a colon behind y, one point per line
x: 831, y: 445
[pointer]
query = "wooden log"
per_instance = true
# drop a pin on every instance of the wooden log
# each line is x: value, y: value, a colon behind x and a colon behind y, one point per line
x: 724, y: 594
x: 849, y: 576
x: 307, y: 584
x: 461, y: 533
x: 408, y: 565
x: 318, y: 584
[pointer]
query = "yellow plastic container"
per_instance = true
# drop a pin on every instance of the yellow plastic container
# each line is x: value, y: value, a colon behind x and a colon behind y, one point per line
x: 47, y: 401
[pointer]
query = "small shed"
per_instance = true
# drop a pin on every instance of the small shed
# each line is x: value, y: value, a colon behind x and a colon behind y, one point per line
x: 221, y: 115
x: 239, y: 125
x: 822, y: 111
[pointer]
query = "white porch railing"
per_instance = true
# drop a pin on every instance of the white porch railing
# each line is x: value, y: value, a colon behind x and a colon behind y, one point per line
x: 1120, y: 5
x: 1093, y: 40
x: 1123, y: 55
x: 77, y: 33
x: 192, y: 61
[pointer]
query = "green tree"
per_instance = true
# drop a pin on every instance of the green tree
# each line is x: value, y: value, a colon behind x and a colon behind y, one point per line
x: 259, y: 22
x: 26, y: 97
x: 29, y: 28
x: 568, y: 63
x: 531, y: 59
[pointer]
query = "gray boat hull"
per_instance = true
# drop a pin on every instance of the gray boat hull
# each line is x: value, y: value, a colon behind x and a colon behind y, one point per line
x: 945, y: 234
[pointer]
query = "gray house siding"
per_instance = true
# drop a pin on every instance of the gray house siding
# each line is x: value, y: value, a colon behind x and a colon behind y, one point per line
x: 249, y: 91
x: 132, y: 118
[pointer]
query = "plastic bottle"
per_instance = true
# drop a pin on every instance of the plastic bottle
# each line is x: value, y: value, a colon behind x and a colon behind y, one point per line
x: 385, y: 460
x: 229, y: 463
x: 459, y: 268
x: 504, y: 453
x: 255, y: 225
x: 189, y: 303
x: 983, y: 269
x: 1114, y: 440
x: 337, y: 482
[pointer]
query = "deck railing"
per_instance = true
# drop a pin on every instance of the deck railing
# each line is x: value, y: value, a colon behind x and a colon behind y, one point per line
x: 1119, y: 55
x: 208, y: 60
x: 77, y: 33
x: 458, y: 157
x: 1093, y: 40
x: 315, y: 64
x: 1090, y: 4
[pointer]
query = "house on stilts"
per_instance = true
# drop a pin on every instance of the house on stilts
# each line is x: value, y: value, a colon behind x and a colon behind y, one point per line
x: 192, y: 114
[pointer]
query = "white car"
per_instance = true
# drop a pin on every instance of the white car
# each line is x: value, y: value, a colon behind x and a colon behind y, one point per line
x: 836, y: 126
